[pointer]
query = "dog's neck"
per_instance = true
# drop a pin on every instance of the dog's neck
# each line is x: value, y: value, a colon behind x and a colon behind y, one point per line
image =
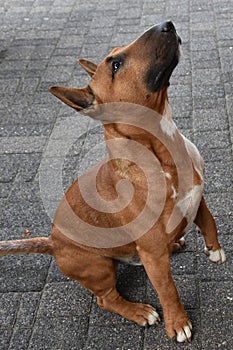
x: 134, y: 133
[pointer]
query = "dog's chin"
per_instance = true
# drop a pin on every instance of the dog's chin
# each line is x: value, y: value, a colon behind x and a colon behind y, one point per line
x: 158, y: 77
x: 163, y: 77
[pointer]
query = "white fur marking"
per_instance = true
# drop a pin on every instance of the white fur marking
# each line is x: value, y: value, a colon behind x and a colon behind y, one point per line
x: 153, y: 318
x: 168, y: 176
x: 181, y: 337
x: 191, y: 200
x: 187, y: 332
x: 217, y: 256
x: 182, y: 240
x: 184, y: 335
x: 174, y: 194
x: 193, y: 152
x: 168, y: 127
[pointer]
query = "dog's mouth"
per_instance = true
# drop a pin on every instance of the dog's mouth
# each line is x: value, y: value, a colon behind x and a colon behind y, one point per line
x: 163, y: 77
x: 159, y: 76
x: 162, y: 65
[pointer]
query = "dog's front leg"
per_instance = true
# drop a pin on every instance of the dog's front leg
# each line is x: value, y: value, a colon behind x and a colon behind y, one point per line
x: 157, y: 267
x: 205, y: 221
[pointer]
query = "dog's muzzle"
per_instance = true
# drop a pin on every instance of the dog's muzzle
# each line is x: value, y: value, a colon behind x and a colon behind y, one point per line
x: 168, y: 27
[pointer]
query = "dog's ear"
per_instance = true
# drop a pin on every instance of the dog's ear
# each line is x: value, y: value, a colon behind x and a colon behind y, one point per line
x: 78, y: 99
x: 89, y: 66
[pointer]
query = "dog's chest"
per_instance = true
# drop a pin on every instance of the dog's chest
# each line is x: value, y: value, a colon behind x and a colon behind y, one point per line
x: 187, y: 196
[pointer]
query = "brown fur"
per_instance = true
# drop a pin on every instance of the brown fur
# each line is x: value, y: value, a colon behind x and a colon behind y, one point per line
x: 95, y: 268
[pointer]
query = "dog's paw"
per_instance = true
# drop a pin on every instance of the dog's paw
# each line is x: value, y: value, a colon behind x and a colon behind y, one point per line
x: 178, y: 326
x: 181, y: 331
x: 185, y: 334
x: 217, y: 256
x: 153, y: 317
x: 177, y: 246
x: 146, y: 315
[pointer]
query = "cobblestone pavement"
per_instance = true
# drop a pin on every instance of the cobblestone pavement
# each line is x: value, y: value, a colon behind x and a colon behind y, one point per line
x: 40, y: 41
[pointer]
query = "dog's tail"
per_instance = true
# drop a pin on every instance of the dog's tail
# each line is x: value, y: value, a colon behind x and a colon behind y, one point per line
x: 40, y: 245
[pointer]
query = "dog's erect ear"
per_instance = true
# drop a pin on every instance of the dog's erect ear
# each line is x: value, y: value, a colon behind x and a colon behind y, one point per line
x: 89, y: 66
x: 78, y: 99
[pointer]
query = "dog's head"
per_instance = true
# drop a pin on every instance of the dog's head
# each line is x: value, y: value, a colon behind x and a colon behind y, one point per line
x: 137, y: 73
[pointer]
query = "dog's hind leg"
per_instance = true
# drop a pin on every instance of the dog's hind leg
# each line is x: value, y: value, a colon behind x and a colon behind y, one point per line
x: 98, y: 274
x: 205, y: 221
x: 142, y: 314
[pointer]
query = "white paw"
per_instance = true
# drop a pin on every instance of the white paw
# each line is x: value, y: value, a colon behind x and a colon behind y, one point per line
x: 185, y: 335
x: 217, y: 256
x: 182, y: 241
x: 153, y: 318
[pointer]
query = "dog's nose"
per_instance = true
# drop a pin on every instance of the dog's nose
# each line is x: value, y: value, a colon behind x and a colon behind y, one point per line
x: 167, y: 26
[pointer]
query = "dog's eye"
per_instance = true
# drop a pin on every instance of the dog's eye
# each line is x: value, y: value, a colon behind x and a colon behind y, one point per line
x: 115, y: 66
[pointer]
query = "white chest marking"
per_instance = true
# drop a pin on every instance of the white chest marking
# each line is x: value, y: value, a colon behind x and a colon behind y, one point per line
x: 168, y: 176
x: 174, y: 194
x: 190, y: 203
x: 168, y: 127
x: 195, y: 156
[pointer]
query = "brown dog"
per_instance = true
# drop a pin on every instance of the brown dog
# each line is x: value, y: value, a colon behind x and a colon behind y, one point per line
x: 137, y: 74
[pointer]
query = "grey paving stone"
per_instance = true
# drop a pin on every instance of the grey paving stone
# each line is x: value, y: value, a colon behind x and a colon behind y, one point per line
x: 183, y: 263
x: 217, y: 333
x: 211, y: 292
x: 187, y: 289
x: 180, y: 90
x: 5, y: 335
x: 9, y: 168
x: 208, y: 140
x: 210, y: 119
x: 220, y: 204
x: 23, y: 273
x: 183, y: 123
x: 131, y: 282
x: 28, y: 85
x: 8, y: 86
x: 207, y: 75
x: 24, y: 214
x: 5, y: 189
x: 64, y: 299
x: 224, y: 225
x: 9, y: 306
x: 208, y: 91
x: 203, y: 60
x: 207, y: 103
x: 218, y: 176
x: 27, y: 310
x: 216, y: 154
x: 26, y: 191
x: 28, y: 130
x: 20, y: 338
x: 120, y: 337
x: 181, y: 107
x: 208, y: 271
x: 59, y: 333
x: 28, y: 166
x: 20, y: 144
